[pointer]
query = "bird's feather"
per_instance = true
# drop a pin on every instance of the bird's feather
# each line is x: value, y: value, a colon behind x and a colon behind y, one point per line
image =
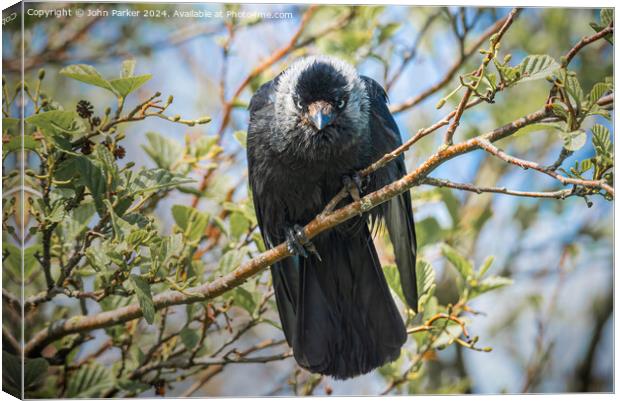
x: 397, y: 213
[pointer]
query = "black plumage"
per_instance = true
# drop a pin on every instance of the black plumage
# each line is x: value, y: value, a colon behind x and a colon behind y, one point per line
x: 311, y: 128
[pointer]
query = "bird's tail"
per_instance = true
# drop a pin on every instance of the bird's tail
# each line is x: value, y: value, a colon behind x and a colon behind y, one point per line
x: 346, y: 322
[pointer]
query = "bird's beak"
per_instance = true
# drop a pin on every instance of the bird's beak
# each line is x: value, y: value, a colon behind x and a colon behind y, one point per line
x: 320, y: 114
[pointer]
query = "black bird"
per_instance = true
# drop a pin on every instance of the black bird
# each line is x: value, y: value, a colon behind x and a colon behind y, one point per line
x: 311, y: 129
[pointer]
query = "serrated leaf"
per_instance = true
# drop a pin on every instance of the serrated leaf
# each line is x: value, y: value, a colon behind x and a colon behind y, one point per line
x: 601, y: 140
x: 149, y: 180
x: 534, y: 67
x: 239, y: 225
x: 462, y: 265
x: 88, y: 174
x: 145, y: 298
x: 87, y: 74
x: 585, y: 165
x: 573, y: 141
x: 243, y: 298
x: 163, y: 151
x: 124, y: 86
x: 90, y: 381
x: 393, y: 279
x: 573, y: 88
x: 189, y: 337
x: 425, y: 275
x: 596, y: 110
x: 598, y: 91
x: 192, y: 222
x: 230, y: 260
x: 607, y: 16
x: 35, y: 370
x: 57, y: 122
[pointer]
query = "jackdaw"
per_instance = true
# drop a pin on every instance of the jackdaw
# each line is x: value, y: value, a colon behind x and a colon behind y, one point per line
x: 311, y: 129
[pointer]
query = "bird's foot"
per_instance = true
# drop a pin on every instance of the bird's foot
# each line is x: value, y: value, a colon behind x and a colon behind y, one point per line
x: 353, y: 184
x: 299, y: 244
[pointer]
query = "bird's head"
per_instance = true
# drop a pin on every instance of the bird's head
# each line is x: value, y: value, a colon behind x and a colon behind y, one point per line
x: 320, y: 101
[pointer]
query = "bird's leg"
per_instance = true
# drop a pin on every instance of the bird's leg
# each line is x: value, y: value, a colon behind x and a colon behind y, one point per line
x: 353, y: 184
x: 298, y: 243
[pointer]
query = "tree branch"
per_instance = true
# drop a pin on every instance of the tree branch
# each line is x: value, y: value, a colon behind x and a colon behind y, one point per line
x: 321, y: 223
x: 411, y: 102
x: 495, y: 39
x: 526, y: 164
x: 560, y: 194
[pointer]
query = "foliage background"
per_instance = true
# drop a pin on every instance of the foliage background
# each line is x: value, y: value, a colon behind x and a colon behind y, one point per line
x: 551, y: 330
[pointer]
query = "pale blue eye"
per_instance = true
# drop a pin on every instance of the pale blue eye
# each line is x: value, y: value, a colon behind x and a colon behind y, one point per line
x: 341, y: 104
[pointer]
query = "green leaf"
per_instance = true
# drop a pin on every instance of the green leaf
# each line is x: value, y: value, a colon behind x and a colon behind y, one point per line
x: 203, y: 145
x: 57, y: 122
x: 12, y: 374
x: 489, y: 284
x: 143, y: 292
x: 387, y: 31
x: 11, y: 126
x: 486, y: 266
x: 242, y: 138
x: 189, y: 337
x: 88, y: 174
x: 452, y: 204
x: 585, y: 165
x: 598, y: 91
x: 35, y: 370
x: 573, y: 88
x: 127, y: 68
x: 555, y: 126
x: 163, y: 151
x: 428, y: 231
x: 149, y: 180
x: 192, y: 222
x: 425, y: 275
x: 534, y: 67
x: 462, y: 265
x: 230, y: 260
x: 239, y: 225
x: 87, y: 74
x: 601, y: 140
x: 90, y: 381
x: 244, y: 299
x: 607, y: 16
x: 573, y: 141
x: 137, y: 238
x: 15, y: 144
x: 393, y: 278
x: 124, y: 86
x: 559, y: 110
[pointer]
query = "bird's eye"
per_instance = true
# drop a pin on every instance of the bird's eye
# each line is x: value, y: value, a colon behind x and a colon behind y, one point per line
x: 299, y: 105
x: 341, y: 104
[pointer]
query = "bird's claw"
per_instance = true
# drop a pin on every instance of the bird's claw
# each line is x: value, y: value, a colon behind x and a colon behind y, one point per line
x: 298, y: 244
x: 353, y: 184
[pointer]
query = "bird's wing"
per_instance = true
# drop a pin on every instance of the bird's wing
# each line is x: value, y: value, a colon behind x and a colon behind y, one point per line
x: 397, y: 213
x: 285, y: 273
